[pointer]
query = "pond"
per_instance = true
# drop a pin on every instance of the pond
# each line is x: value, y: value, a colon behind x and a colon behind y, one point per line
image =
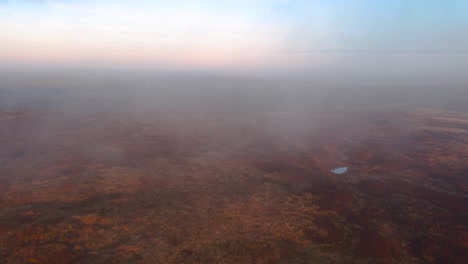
x: 340, y: 170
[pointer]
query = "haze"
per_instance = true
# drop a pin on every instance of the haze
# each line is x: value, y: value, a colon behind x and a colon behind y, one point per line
x: 248, y: 131
x: 259, y: 35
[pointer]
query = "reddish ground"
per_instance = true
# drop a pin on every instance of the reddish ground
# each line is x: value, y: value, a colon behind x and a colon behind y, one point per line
x: 177, y: 187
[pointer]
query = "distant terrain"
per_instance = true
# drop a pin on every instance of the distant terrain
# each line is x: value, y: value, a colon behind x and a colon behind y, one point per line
x: 233, y: 132
x: 221, y: 186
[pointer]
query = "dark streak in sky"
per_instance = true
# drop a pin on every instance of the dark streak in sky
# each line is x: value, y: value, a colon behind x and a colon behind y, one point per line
x: 374, y: 51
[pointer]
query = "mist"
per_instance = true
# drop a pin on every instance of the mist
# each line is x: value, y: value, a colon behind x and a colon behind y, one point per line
x: 437, y: 83
x: 249, y: 131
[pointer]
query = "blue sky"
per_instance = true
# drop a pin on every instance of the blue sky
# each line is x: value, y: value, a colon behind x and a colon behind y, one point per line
x: 242, y: 33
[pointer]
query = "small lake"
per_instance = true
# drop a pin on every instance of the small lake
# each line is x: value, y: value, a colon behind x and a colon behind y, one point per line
x: 340, y: 170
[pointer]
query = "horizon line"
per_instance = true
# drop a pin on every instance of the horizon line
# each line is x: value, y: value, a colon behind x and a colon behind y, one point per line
x: 373, y: 51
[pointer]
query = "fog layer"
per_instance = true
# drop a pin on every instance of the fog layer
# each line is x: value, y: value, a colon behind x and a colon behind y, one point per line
x: 131, y: 90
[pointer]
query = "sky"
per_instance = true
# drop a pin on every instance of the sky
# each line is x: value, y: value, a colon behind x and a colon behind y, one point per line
x: 242, y: 34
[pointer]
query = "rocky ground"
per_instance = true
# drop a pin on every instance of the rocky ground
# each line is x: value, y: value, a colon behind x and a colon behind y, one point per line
x: 238, y: 187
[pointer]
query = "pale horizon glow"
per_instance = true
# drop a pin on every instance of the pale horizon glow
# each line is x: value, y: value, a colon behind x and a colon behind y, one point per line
x: 81, y: 31
x: 223, y: 34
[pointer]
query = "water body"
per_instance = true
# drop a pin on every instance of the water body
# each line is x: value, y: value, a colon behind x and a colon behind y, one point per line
x: 340, y: 170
